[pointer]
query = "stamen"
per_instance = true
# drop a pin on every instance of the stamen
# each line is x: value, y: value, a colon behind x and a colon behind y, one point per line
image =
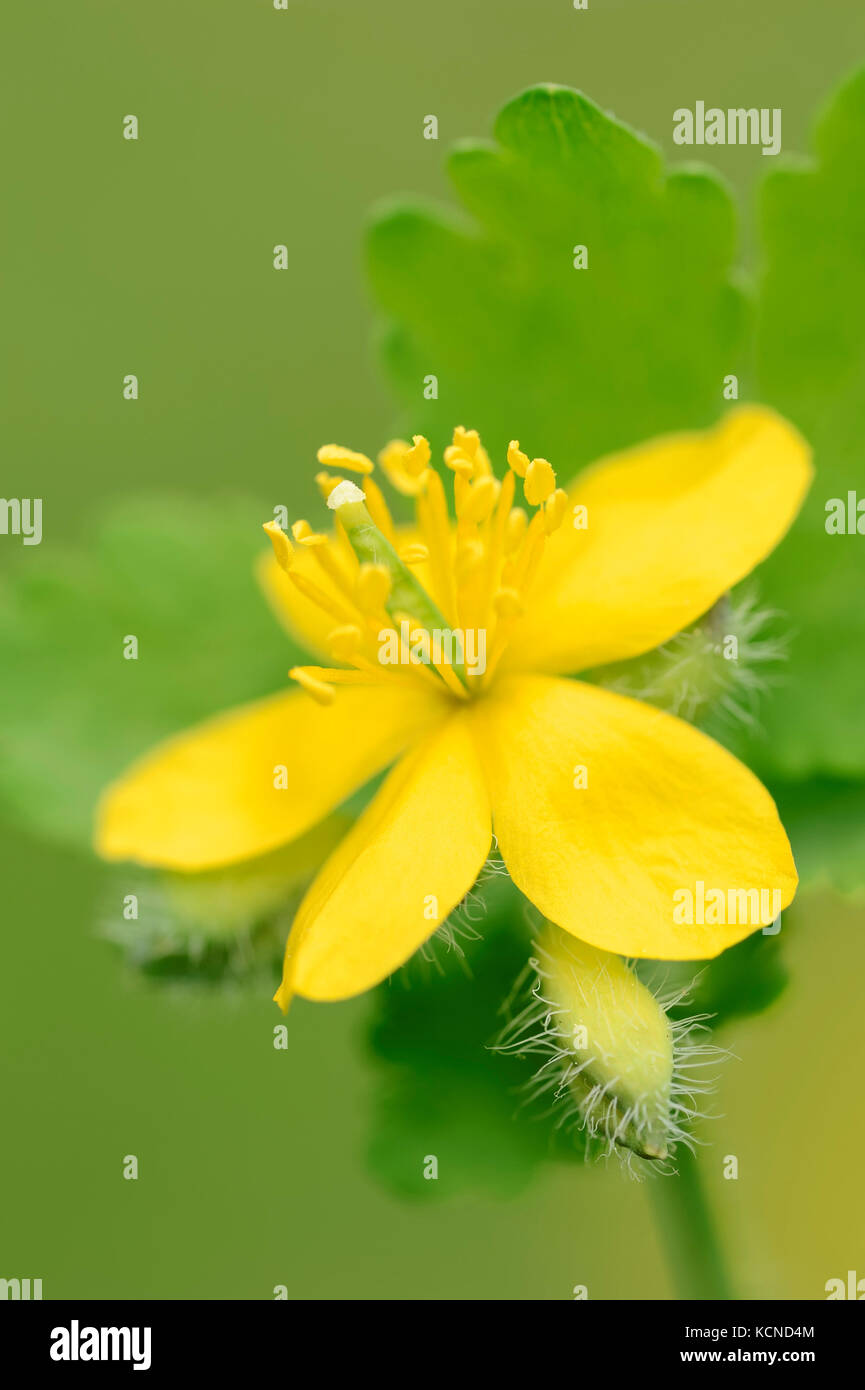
x: 378, y: 509
x: 458, y: 461
x: 311, y: 591
x: 496, y: 546
x: 468, y: 443
x: 521, y: 568
x: 372, y: 588
x: 434, y: 525
x: 323, y: 549
x: 335, y: 456
x: 281, y: 545
x: 516, y: 530
x: 480, y: 567
x: 318, y: 689
x: 328, y: 676
x: 540, y: 482
x: 418, y: 456
x: 326, y: 482
x: 554, y: 510
x: 404, y: 464
x: 478, y: 501
x: 517, y: 460
x: 345, y: 641
x: 444, y: 670
x: 413, y: 554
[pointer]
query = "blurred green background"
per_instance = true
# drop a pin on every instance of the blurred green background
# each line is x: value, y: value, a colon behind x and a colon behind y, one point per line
x: 260, y: 127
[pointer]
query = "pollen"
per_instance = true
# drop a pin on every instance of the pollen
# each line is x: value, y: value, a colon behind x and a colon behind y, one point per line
x: 335, y: 456
x: 466, y: 566
x: 540, y: 482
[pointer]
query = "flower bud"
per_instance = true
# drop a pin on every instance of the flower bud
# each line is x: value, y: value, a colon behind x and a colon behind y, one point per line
x: 614, y: 1059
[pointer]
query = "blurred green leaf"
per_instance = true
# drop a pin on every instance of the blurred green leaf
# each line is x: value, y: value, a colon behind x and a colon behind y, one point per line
x: 811, y: 361
x: 743, y: 980
x: 573, y: 362
x: 825, y: 820
x: 73, y: 712
x: 440, y: 1089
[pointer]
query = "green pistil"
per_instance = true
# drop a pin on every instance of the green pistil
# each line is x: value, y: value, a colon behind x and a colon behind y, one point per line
x: 407, y: 597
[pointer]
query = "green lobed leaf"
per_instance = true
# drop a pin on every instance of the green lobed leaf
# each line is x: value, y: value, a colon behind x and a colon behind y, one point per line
x: 572, y: 362
x: 811, y: 365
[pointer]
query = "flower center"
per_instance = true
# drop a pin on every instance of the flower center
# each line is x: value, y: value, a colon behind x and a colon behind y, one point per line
x: 437, y: 602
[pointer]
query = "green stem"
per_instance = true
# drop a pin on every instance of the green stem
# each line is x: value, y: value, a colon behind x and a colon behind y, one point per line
x: 688, y: 1232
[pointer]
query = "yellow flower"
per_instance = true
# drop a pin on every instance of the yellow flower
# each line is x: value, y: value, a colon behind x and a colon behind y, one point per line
x: 605, y: 810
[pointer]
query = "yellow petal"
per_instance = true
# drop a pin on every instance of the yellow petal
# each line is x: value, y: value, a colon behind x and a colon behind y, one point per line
x: 412, y: 856
x: 670, y: 527
x: 212, y: 796
x: 663, y: 809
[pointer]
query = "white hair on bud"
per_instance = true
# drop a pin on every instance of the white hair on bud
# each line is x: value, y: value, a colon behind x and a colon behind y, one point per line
x: 344, y: 492
x: 578, y: 1098
x: 689, y: 675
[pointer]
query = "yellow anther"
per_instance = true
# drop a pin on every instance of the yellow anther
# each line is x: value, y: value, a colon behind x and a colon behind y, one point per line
x: 516, y: 530
x: 478, y: 501
x: 540, y: 482
x: 467, y: 440
x: 281, y: 545
x: 318, y: 689
x: 413, y: 554
x: 345, y: 641
x: 326, y: 482
x: 508, y: 603
x: 300, y: 530
x: 467, y: 443
x: 372, y: 588
x: 402, y: 465
x: 418, y: 456
x: 458, y: 461
x: 393, y: 452
x: 435, y: 527
x: 335, y: 456
x: 517, y: 460
x: 554, y: 510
